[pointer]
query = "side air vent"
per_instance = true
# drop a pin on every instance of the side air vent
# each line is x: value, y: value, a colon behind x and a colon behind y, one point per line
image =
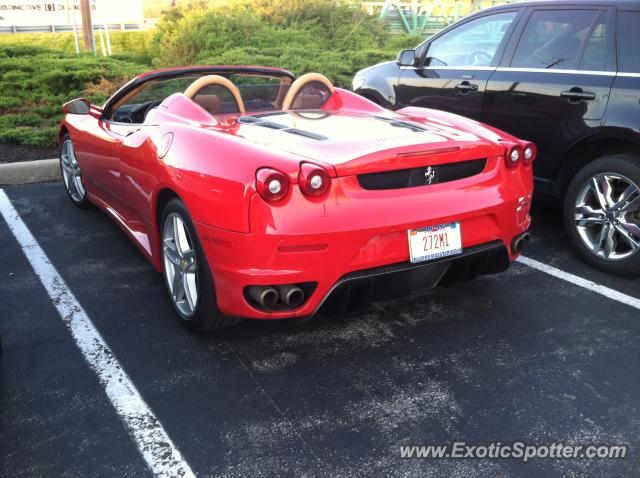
x: 307, y: 134
x: 270, y: 124
x: 422, y: 176
x: 416, y: 128
x: 256, y: 120
x: 249, y: 119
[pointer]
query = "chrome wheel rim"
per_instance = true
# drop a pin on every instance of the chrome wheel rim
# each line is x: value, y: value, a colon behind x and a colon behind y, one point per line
x: 180, y: 266
x: 71, y: 172
x: 607, y: 216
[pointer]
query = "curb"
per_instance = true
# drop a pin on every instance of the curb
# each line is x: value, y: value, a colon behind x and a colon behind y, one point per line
x: 29, y: 172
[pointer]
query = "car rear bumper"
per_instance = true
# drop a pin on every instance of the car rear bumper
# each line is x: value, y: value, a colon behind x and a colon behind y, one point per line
x: 350, y: 242
x: 387, y: 282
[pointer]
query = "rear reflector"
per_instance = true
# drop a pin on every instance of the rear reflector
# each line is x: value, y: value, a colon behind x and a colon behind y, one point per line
x: 304, y: 248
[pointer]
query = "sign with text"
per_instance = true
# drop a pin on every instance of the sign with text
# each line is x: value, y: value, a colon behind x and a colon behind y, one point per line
x: 59, y: 12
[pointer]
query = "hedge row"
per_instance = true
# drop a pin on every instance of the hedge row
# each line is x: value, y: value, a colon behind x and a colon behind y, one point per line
x: 42, y: 71
x: 336, y: 38
x: 36, y: 81
x: 133, y: 44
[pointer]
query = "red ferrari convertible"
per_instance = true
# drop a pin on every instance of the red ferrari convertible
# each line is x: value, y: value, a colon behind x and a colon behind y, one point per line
x: 259, y: 195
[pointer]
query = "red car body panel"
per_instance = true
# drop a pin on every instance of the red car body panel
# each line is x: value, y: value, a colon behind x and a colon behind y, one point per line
x: 210, y: 163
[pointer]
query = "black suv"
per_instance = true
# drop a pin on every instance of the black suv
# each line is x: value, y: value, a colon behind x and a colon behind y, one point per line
x: 564, y: 74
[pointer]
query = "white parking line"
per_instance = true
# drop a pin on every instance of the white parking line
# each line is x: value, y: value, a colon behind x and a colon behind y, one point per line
x: 579, y: 281
x: 147, y: 432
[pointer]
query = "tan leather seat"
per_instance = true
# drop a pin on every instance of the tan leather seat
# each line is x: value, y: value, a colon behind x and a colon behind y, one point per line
x: 214, y: 80
x: 300, y: 83
x: 307, y: 102
x: 211, y: 103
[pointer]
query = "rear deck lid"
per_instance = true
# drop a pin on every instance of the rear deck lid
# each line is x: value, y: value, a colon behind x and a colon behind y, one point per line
x: 356, y: 143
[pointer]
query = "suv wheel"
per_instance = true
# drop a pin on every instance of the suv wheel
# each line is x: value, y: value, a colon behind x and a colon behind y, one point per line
x: 602, y: 214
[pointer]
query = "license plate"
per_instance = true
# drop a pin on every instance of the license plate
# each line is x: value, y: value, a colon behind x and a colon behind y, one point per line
x: 432, y: 242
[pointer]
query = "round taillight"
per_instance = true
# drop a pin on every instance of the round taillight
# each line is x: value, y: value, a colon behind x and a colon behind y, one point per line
x: 530, y: 152
x: 514, y: 155
x: 275, y: 186
x: 316, y: 182
x: 313, y: 180
x: 271, y: 184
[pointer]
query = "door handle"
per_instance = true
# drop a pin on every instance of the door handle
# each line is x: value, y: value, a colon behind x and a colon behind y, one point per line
x: 131, y: 131
x: 576, y: 94
x: 466, y: 87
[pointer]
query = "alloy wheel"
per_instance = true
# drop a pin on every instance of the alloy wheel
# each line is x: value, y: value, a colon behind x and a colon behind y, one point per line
x: 180, y: 265
x: 71, y: 172
x: 607, y: 216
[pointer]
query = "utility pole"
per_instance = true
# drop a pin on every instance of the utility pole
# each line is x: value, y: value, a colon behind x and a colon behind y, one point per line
x: 87, y: 25
x: 75, y: 26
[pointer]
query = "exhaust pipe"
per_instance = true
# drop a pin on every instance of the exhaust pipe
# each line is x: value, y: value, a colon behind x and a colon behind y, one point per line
x: 517, y: 246
x: 264, y: 295
x: 521, y: 242
x: 291, y: 295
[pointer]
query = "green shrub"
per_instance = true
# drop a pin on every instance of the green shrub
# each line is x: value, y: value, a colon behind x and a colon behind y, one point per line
x: 39, y: 72
x: 336, y: 38
x: 35, y: 82
x: 131, y: 45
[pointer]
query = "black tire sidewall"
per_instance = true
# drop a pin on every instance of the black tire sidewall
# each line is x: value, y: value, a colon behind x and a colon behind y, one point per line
x: 84, y: 203
x: 625, y: 164
x: 206, y: 308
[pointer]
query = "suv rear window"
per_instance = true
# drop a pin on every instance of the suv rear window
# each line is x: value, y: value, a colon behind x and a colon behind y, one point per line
x: 554, y: 39
x: 629, y: 41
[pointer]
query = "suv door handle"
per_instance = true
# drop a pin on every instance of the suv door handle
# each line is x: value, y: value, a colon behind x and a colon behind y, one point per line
x: 576, y: 94
x: 466, y: 87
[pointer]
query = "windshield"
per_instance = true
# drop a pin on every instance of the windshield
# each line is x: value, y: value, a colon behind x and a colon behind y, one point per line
x: 258, y: 92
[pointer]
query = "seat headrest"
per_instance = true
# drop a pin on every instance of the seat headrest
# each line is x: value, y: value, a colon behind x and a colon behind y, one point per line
x: 198, y: 85
x: 298, y: 85
x: 308, y: 102
x: 211, y: 103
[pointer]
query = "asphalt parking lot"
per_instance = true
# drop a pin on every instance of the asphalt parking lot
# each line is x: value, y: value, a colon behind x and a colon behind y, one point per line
x: 519, y: 356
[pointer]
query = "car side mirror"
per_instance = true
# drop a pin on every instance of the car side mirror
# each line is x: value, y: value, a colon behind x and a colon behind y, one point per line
x: 406, y: 58
x: 79, y: 106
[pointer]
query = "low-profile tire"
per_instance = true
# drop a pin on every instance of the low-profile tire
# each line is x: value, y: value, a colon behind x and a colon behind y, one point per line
x: 186, y: 272
x: 602, y: 214
x: 71, y: 175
